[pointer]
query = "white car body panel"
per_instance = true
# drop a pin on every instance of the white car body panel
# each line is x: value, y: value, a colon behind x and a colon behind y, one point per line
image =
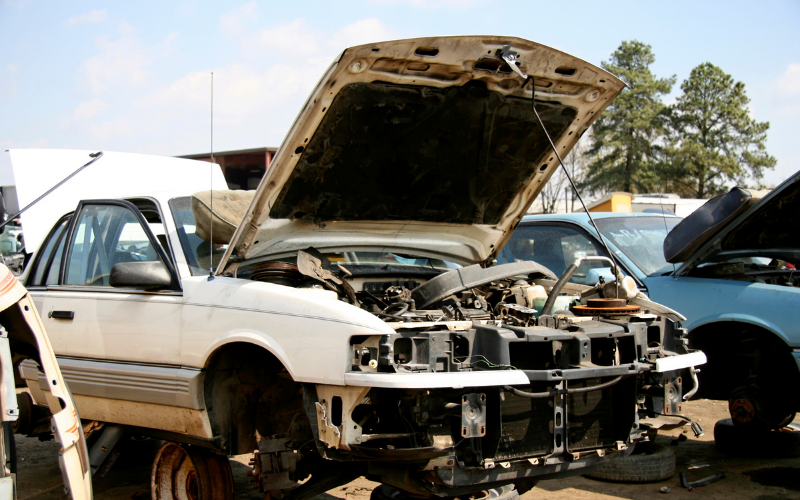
x: 303, y: 328
x: 73, y: 455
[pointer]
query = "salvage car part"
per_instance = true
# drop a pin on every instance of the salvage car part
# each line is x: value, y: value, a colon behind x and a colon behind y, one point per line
x: 22, y: 335
x: 700, y: 482
x: 649, y: 463
x: 190, y: 472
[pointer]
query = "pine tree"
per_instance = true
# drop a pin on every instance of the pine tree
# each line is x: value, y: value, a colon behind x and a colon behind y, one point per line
x: 626, y: 136
x: 714, y: 140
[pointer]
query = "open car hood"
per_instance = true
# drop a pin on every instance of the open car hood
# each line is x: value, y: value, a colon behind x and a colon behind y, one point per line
x: 762, y: 224
x: 427, y: 145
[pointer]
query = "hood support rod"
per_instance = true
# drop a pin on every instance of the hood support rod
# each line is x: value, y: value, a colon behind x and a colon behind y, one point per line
x: 94, y: 157
x: 511, y: 58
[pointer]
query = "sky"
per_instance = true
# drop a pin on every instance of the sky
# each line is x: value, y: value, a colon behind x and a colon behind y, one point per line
x: 136, y: 76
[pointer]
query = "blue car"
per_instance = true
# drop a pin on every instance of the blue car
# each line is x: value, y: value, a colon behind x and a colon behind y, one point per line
x: 737, y: 284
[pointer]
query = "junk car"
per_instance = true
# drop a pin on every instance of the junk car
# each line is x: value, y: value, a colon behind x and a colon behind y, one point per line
x: 730, y: 267
x: 354, y: 321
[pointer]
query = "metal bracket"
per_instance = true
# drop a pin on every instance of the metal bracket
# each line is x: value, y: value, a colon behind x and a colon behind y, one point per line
x: 511, y: 58
x: 275, y: 465
x: 473, y: 415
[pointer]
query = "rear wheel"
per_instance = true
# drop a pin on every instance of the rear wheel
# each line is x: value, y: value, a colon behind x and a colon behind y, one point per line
x: 749, y: 406
x: 189, y: 473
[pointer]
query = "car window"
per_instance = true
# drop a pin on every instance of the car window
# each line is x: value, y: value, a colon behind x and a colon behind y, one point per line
x: 641, y: 239
x: 103, y: 236
x: 195, y: 249
x: 554, y: 247
x: 47, y: 260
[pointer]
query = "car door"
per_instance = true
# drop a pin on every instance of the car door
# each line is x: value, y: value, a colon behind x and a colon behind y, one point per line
x: 86, y: 317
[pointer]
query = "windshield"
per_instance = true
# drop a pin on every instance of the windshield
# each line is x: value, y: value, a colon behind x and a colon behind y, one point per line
x: 374, y: 264
x: 196, y: 251
x: 641, y: 239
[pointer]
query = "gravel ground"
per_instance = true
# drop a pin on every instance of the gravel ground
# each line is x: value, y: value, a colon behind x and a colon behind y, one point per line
x: 746, y: 477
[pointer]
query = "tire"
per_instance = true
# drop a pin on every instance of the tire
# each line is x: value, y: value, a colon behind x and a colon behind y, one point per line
x: 655, y: 464
x: 747, y: 441
x: 190, y: 473
x: 507, y: 492
x: 750, y: 407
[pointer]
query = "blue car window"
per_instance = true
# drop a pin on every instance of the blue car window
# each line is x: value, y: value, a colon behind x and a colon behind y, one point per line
x: 552, y: 246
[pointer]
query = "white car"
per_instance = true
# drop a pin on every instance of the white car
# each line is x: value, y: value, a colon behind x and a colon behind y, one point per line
x: 355, y: 324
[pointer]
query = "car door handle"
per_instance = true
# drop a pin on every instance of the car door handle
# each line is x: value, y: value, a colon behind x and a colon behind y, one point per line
x: 61, y: 314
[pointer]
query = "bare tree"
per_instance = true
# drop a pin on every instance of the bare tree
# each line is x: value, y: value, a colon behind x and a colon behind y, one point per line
x: 557, y: 194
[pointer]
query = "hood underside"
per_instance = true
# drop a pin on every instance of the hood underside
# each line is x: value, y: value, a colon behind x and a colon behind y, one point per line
x: 429, y: 144
x: 768, y: 227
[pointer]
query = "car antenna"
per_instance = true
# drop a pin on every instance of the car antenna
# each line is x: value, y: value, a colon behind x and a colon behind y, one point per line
x: 211, y: 182
x: 663, y: 215
x: 94, y: 157
x: 510, y: 57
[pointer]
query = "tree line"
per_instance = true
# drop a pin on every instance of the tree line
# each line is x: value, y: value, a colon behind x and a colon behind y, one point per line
x: 695, y: 147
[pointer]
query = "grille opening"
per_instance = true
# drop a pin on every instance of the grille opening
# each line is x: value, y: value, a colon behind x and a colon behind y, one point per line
x: 627, y: 350
x: 493, y: 65
x: 563, y: 70
x: 599, y: 419
x: 527, y: 425
x: 604, y: 352
x: 403, y: 351
x: 460, y: 347
x: 336, y: 411
x: 532, y: 355
x: 427, y: 51
x: 653, y: 335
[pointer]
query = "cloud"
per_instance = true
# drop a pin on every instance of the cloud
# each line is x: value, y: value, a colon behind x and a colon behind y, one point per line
x: 296, y: 40
x: 88, y: 109
x: 432, y: 4
x: 255, y: 98
x: 122, y: 62
x: 91, y: 17
x: 299, y: 55
x: 235, y: 22
x: 789, y: 82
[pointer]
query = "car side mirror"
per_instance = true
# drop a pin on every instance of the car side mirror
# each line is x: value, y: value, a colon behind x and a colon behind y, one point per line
x: 142, y: 274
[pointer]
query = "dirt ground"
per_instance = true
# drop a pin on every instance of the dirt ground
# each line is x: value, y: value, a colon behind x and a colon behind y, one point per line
x: 39, y: 477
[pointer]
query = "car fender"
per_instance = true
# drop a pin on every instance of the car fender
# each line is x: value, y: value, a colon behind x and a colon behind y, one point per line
x: 253, y: 337
x: 308, y: 330
x: 740, y: 318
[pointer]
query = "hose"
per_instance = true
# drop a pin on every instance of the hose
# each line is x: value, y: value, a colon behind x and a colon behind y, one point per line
x: 555, y: 392
x: 551, y: 299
